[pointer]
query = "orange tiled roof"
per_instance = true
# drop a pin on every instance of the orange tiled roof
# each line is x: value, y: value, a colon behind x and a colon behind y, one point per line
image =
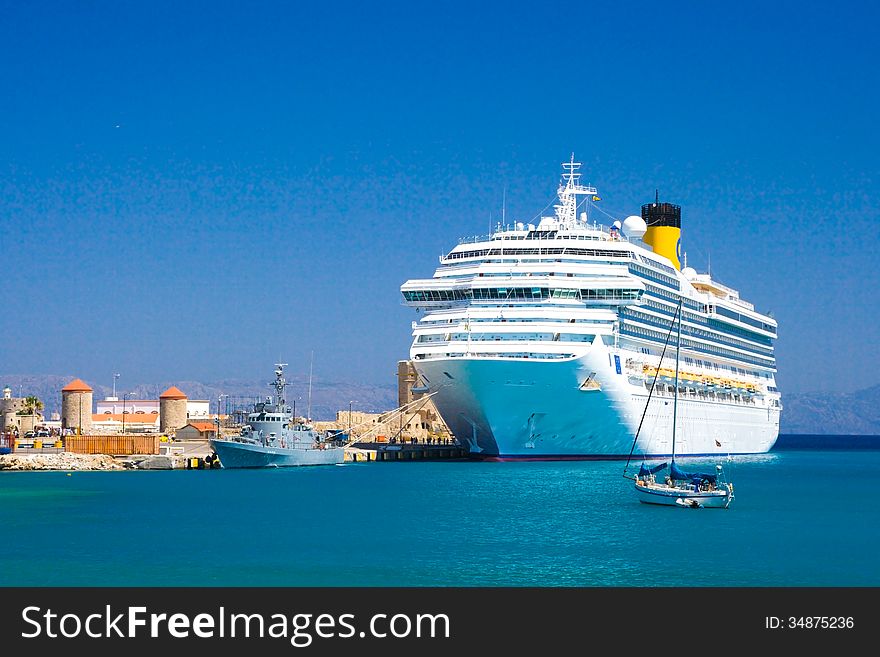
x: 203, y: 427
x: 77, y: 385
x: 173, y: 393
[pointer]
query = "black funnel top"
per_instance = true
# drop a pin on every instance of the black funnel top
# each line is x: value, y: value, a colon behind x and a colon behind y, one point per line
x: 662, y: 214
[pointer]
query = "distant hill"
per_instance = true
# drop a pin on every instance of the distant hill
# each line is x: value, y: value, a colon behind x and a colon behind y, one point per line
x: 856, y: 413
x: 327, y: 397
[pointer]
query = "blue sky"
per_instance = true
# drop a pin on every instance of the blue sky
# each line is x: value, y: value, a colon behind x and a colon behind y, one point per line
x: 192, y: 190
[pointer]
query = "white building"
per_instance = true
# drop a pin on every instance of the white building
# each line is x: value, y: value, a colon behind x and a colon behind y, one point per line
x: 198, y: 408
x: 114, y: 405
x: 113, y: 423
x: 195, y: 408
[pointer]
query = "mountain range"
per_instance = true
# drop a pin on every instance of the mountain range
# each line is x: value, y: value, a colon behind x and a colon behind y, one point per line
x: 855, y: 413
x: 326, y: 397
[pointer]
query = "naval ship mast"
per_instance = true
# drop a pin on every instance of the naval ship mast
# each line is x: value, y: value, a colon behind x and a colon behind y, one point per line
x: 279, y: 384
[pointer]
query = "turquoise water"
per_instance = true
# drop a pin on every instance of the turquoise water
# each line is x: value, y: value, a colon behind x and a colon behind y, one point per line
x: 799, y: 518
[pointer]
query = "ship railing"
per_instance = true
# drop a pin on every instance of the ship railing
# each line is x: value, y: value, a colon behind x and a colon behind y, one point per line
x: 593, y: 226
x: 473, y: 239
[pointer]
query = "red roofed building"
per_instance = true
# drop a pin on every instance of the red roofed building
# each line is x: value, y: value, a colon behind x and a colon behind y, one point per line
x: 196, y: 431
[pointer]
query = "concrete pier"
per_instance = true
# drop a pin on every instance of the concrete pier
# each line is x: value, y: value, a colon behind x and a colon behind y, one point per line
x: 371, y: 452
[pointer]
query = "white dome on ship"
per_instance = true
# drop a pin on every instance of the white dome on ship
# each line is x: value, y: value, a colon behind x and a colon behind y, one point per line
x: 634, y: 226
x: 689, y: 273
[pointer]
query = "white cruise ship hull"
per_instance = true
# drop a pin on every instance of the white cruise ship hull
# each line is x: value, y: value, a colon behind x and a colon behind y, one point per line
x: 503, y: 408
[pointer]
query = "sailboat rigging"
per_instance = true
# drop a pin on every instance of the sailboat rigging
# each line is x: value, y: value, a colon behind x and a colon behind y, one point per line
x: 680, y: 488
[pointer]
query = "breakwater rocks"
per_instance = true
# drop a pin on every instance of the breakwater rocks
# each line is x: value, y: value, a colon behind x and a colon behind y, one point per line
x: 60, y: 461
x: 71, y: 461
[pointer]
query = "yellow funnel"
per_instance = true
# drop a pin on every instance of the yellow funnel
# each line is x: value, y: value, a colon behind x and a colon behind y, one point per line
x: 664, y: 230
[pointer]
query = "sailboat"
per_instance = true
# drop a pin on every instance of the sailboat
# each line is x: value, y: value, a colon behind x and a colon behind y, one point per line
x: 695, y: 490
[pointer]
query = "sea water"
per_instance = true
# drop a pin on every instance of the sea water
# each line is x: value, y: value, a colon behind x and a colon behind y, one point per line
x: 800, y: 518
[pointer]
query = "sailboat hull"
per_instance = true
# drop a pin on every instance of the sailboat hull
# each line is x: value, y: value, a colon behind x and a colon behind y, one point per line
x: 669, y: 496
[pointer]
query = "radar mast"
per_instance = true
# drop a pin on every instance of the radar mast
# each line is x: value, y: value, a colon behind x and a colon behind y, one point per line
x: 279, y: 384
x: 566, y: 209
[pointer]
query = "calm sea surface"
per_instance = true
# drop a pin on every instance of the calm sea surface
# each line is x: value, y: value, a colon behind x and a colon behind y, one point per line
x: 801, y: 517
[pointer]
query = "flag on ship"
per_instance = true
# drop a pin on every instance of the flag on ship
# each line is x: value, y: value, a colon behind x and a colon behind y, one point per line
x: 596, y: 198
x: 717, y: 444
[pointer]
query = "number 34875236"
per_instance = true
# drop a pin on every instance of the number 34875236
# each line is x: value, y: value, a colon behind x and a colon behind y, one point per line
x: 810, y: 622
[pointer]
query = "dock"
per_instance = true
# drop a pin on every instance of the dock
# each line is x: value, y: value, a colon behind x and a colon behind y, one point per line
x: 197, y: 454
x: 382, y: 451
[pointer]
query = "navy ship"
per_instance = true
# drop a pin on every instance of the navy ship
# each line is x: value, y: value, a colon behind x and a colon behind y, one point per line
x: 272, y: 437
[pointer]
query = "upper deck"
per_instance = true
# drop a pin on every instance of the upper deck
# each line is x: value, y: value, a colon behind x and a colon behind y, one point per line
x: 570, y: 261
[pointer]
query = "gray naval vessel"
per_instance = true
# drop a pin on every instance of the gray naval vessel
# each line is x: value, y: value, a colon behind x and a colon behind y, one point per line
x: 272, y: 437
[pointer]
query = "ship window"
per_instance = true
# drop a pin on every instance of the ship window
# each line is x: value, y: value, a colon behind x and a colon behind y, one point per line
x: 576, y: 337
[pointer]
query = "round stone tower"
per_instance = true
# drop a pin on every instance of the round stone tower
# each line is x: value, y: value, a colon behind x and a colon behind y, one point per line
x: 172, y: 410
x: 76, y: 407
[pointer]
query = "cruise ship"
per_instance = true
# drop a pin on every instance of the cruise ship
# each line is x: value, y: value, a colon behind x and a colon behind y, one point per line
x: 545, y: 340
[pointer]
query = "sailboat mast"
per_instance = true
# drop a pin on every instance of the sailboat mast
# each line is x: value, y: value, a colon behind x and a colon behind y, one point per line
x: 675, y: 398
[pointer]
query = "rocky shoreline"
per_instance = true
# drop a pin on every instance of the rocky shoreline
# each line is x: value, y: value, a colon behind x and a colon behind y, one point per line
x: 60, y: 461
x: 68, y: 461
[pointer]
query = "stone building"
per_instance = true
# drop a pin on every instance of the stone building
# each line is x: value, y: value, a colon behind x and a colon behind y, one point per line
x: 418, y: 421
x: 9, y: 406
x: 407, y: 378
x: 172, y: 410
x: 12, y: 417
x: 76, y: 407
x: 410, y: 390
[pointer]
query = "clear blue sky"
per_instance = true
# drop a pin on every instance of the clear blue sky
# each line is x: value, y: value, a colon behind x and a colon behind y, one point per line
x: 189, y: 190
